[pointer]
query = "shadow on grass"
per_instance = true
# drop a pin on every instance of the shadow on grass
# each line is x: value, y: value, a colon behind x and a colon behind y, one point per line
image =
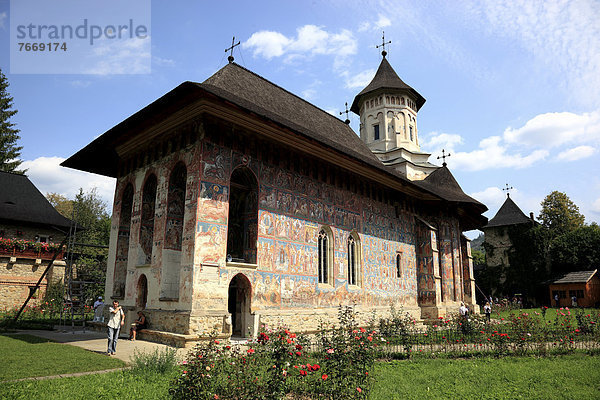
x: 29, y: 338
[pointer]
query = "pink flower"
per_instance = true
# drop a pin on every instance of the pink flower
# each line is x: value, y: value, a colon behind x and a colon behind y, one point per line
x: 359, y: 390
x: 330, y: 351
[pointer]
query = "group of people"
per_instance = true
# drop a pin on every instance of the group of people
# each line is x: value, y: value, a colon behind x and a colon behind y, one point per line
x: 116, y: 321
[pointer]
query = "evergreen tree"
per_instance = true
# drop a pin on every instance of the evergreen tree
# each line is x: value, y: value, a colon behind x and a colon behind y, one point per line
x: 10, y: 153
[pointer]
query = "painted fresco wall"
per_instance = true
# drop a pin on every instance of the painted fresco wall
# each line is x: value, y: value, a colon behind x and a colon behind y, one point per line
x: 426, y: 265
x: 160, y: 241
x: 292, y: 208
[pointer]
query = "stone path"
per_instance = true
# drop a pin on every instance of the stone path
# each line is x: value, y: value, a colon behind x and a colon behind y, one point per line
x: 97, y: 342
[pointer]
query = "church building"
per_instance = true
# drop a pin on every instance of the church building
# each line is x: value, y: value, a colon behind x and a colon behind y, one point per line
x: 240, y: 204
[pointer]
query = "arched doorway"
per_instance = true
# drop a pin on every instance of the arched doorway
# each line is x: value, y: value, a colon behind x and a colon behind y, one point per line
x: 142, y: 292
x: 238, y: 305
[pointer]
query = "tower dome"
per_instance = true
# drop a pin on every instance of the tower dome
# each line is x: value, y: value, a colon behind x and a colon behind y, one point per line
x: 388, y: 110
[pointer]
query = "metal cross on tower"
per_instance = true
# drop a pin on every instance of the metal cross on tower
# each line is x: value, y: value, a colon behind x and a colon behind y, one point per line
x: 507, y: 189
x: 347, y: 121
x: 383, y: 43
x: 233, y: 44
x: 443, y: 157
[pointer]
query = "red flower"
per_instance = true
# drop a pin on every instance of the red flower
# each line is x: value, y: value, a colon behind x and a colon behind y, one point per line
x: 324, y: 376
x: 362, y: 330
x: 216, y: 342
x: 303, y: 372
x: 298, y: 347
x: 370, y: 338
x: 298, y: 353
x: 359, y: 390
x: 250, y: 351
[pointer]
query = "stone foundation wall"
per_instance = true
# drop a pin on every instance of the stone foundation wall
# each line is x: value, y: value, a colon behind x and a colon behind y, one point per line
x: 17, y: 274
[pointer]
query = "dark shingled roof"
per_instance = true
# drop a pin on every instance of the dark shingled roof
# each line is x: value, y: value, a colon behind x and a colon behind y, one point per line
x: 508, y: 214
x: 253, y: 92
x: 576, y: 277
x: 22, y: 202
x: 442, y: 182
x: 249, y: 91
x: 386, y: 78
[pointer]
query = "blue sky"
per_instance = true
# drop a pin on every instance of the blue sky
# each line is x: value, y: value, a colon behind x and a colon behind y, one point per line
x: 512, y: 87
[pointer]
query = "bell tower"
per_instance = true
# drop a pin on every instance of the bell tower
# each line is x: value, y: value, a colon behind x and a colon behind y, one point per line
x: 388, y: 110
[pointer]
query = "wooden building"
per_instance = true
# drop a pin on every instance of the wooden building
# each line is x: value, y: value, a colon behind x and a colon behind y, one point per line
x: 585, y: 285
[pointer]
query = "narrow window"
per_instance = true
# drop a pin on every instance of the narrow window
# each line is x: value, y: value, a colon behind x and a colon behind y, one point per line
x: 242, y: 225
x: 376, y: 132
x: 171, y: 264
x: 353, y: 259
x: 323, y: 252
x: 398, y: 266
x: 120, y: 272
x: 147, y: 219
x: 411, y: 134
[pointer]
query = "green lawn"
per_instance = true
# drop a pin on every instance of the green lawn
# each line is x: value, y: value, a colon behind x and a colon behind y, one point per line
x: 110, y: 386
x: 567, y: 377
x: 26, y: 356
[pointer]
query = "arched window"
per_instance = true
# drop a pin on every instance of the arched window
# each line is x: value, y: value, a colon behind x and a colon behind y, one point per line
x: 171, y: 265
x: 147, y: 220
x: 393, y: 100
x: 120, y: 274
x: 176, y: 207
x: 353, y: 259
x: 242, y: 226
x: 398, y: 265
x: 325, y: 251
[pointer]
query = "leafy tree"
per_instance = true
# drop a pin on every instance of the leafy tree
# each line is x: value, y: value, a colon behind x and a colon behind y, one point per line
x: 559, y: 214
x: 577, y: 250
x: 478, y: 258
x: 92, y: 236
x: 10, y: 153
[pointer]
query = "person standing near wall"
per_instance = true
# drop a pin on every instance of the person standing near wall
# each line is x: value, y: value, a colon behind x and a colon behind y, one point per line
x: 117, y: 319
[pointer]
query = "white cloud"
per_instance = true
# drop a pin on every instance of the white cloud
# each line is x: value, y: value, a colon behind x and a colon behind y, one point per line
x: 440, y: 141
x: 493, y: 197
x: 49, y: 177
x: 576, y: 153
x: 382, y: 22
x: 3, y: 17
x: 555, y: 129
x: 267, y: 44
x: 163, y: 61
x: 596, y: 206
x: 360, y: 80
x: 309, y: 94
x: 80, y: 84
x: 120, y: 57
x: 563, y: 37
x: 492, y: 153
x: 309, y: 40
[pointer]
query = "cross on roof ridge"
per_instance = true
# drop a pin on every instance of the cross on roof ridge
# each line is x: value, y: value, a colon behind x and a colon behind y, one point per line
x: 443, y: 157
x: 347, y: 121
x: 233, y: 44
x: 383, y: 43
x: 507, y: 189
